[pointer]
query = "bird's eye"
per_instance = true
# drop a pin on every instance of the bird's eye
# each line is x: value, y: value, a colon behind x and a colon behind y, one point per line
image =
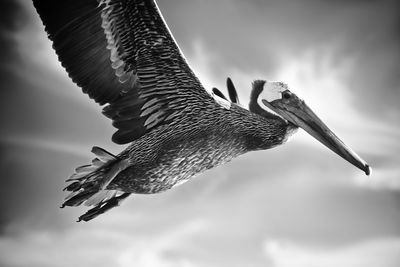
x: 286, y: 95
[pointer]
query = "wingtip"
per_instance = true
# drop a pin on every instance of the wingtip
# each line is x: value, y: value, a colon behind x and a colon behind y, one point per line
x: 232, y: 91
x: 229, y: 83
x: 218, y: 93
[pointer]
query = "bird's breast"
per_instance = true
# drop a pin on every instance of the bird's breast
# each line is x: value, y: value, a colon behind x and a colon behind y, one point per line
x: 173, y: 161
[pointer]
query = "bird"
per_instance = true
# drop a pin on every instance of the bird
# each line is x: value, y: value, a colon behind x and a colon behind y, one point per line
x: 122, y: 54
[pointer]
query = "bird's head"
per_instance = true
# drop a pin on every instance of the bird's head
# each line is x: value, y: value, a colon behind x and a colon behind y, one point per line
x: 276, y: 97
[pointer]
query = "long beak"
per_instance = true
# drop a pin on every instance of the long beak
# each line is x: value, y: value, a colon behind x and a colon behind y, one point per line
x: 304, y: 117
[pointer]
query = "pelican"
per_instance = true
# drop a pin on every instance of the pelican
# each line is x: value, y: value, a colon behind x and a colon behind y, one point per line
x: 123, y: 56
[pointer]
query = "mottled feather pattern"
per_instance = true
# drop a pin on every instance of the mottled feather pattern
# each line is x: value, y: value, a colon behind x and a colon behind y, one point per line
x: 141, y: 45
x: 173, y: 153
x: 122, y: 54
x: 111, y: 25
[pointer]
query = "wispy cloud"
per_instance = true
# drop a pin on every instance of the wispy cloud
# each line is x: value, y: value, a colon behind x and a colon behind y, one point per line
x: 102, y: 245
x: 31, y: 142
x: 383, y: 253
x: 335, y: 53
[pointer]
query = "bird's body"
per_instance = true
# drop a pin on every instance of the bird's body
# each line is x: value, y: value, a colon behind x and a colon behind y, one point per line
x: 122, y: 54
x: 173, y: 154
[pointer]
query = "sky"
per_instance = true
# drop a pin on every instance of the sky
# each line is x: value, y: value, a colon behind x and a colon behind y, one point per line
x: 297, y: 205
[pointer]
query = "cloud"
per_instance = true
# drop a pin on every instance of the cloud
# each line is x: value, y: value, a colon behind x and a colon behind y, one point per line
x: 90, y: 245
x: 12, y: 19
x: 383, y: 253
x: 252, y: 37
x: 321, y: 79
x: 46, y: 144
x: 337, y: 53
x: 383, y: 179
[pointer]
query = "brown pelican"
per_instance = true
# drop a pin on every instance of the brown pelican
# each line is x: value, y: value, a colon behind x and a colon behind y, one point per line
x: 122, y: 54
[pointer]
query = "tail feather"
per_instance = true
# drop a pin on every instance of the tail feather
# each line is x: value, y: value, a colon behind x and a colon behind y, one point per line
x: 103, y: 155
x: 87, y: 168
x: 97, y: 162
x: 89, y: 182
x: 103, y: 207
x: 77, y: 198
x: 75, y: 186
x: 101, y: 196
x: 79, y: 175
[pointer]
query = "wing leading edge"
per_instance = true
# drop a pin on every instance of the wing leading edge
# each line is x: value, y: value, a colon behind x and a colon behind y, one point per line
x: 121, y: 53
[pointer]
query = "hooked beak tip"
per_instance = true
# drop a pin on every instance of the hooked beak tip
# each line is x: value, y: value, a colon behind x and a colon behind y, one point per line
x: 367, y: 170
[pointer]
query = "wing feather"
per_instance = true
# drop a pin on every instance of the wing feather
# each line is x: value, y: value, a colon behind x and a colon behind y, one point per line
x: 121, y: 53
x: 79, y: 40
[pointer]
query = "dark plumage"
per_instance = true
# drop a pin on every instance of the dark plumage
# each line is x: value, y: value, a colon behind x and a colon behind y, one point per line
x: 122, y: 54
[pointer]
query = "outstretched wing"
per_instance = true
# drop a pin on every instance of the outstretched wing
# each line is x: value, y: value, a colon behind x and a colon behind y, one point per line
x: 121, y: 53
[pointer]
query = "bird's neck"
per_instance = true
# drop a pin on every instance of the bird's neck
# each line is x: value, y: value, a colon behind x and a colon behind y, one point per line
x: 264, y: 133
x: 269, y: 134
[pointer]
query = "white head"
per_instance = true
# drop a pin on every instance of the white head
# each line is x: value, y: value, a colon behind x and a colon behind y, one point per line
x: 276, y: 96
x: 273, y: 91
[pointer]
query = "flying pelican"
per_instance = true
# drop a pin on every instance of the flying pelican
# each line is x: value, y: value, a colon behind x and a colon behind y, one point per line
x: 122, y: 54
